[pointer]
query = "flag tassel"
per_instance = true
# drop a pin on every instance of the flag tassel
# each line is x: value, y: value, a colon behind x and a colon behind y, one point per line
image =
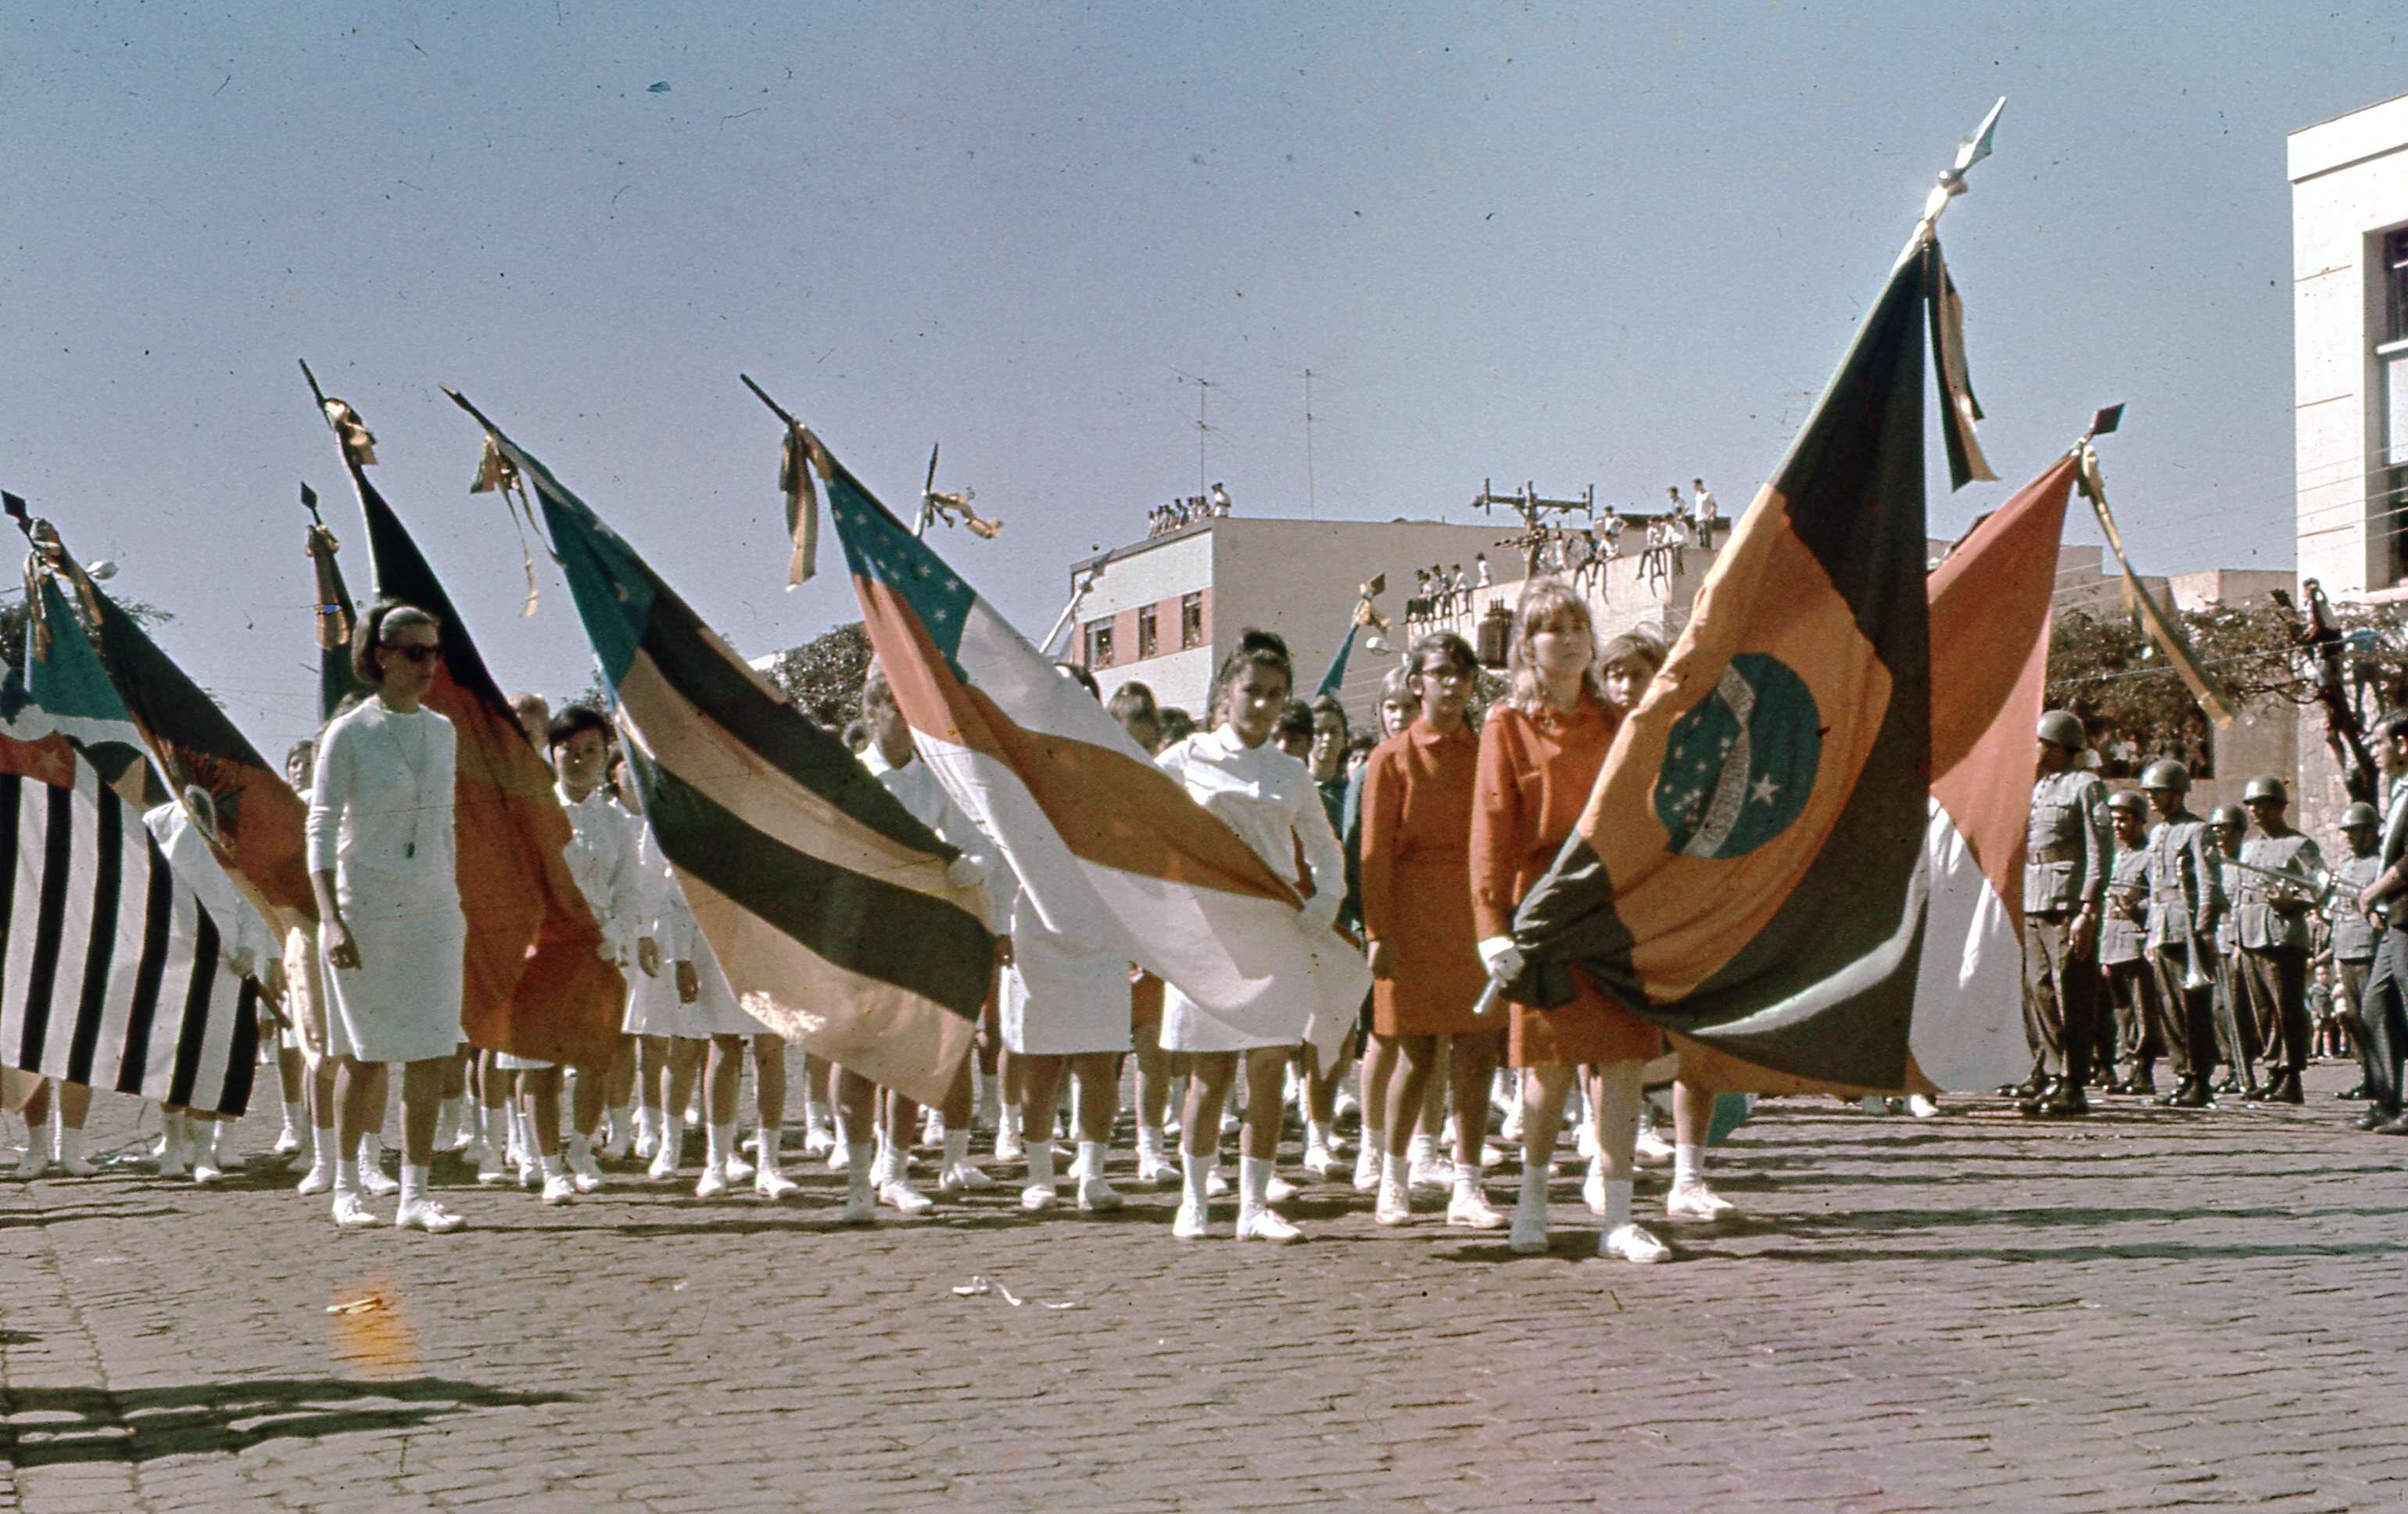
x: 2162, y: 627
x: 797, y: 458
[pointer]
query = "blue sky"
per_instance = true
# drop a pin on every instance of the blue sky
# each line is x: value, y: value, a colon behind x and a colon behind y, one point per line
x: 1570, y: 244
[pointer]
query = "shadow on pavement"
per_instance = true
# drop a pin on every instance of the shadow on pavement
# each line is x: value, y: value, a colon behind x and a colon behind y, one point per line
x: 90, y: 1424
x: 59, y: 1217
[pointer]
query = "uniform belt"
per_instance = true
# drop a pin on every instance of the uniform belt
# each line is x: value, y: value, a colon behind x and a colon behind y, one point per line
x: 2053, y: 854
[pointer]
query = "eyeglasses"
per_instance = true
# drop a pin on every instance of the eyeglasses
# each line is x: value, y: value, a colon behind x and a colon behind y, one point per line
x: 419, y: 652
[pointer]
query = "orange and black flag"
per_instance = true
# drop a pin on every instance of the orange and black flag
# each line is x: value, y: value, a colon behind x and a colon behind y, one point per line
x: 1750, y: 871
x: 536, y: 984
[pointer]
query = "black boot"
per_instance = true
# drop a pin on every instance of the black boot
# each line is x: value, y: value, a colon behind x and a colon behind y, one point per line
x: 2286, y: 1089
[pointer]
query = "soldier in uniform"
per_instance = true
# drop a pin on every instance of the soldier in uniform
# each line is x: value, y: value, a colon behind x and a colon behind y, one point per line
x: 2183, y: 905
x: 2385, y: 1008
x: 2239, y: 1038
x: 2064, y: 887
x: 2354, y: 934
x: 2271, y: 921
x: 2122, y: 947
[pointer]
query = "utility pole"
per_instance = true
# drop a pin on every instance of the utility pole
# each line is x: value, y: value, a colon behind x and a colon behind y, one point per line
x: 1310, y: 507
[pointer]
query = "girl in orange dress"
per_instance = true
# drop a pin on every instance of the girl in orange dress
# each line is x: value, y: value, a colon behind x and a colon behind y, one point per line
x: 1540, y: 754
x: 1418, y: 926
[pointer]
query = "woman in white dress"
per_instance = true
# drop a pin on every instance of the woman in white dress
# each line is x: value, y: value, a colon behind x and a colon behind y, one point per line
x: 1236, y: 771
x: 391, y: 929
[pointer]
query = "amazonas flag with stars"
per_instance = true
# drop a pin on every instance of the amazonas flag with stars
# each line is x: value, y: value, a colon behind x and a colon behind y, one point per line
x: 1752, y: 868
x: 1111, y: 850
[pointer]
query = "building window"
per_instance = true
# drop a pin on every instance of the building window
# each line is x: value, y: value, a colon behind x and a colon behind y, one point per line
x: 2388, y: 489
x: 1147, y: 642
x: 1191, y: 620
x: 1099, y: 644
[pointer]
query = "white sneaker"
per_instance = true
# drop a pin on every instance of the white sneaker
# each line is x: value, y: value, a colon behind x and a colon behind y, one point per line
x: 463, y: 1140
x: 585, y: 1172
x: 840, y: 1157
x: 1435, y: 1175
x: 425, y: 1214
x: 1156, y: 1172
x: 859, y: 1208
x: 1593, y: 1185
x: 489, y: 1170
x: 1039, y: 1196
x: 1512, y: 1129
x: 1921, y: 1106
x: 904, y: 1197
x: 621, y: 1141
x: 1096, y: 1196
x: 962, y: 1178
x: 1490, y: 1156
x: 205, y: 1172
x: 351, y: 1212
x: 1319, y: 1162
x: 1395, y: 1206
x: 1632, y: 1243
x: 1216, y: 1184
x: 315, y: 1181
x: 1652, y: 1148
x: 773, y: 1185
x: 1874, y: 1104
x: 1695, y: 1201
x: 1585, y: 1145
x: 530, y: 1174
x: 739, y: 1170
x: 1367, y: 1169
x: 1008, y: 1147
x: 170, y: 1166
x: 648, y: 1146
x: 1189, y: 1224
x: 1469, y: 1208
x: 375, y: 1184
x: 1279, y: 1190
x: 1266, y: 1225
x: 559, y: 1189
x: 287, y: 1144
x: 1229, y: 1122
x: 711, y: 1185
x: 664, y: 1164
x: 79, y: 1167
x: 34, y: 1163
x: 817, y: 1140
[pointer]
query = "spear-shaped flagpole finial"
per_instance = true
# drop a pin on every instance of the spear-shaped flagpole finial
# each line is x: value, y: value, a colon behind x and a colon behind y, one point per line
x: 1951, y: 178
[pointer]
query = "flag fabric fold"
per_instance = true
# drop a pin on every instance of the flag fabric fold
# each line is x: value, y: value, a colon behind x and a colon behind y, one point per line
x: 1111, y: 851
x: 65, y: 677
x: 536, y: 983
x: 829, y: 907
x: 1751, y: 868
x: 111, y: 973
x: 2161, y: 624
x: 1989, y: 657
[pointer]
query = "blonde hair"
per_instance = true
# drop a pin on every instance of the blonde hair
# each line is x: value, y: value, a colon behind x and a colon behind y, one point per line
x: 1547, y: 604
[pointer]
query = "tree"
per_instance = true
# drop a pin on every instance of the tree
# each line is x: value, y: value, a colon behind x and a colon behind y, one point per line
x: 823, y: 676
x: 2136, y: 707
x: 12, y: 624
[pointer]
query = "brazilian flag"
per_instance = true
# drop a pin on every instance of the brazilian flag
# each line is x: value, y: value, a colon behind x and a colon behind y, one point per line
x: 1750, y: 869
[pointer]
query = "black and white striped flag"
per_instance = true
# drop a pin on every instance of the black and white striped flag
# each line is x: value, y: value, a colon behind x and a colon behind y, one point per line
x: 112, y: 975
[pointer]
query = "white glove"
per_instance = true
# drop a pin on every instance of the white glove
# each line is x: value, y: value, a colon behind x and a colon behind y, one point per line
x: 1502, y: 958
x: 966, y: 872
x: 1319, y: 913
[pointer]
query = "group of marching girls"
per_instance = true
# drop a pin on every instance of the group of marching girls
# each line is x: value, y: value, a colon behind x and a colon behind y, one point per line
x: 1425, y: 846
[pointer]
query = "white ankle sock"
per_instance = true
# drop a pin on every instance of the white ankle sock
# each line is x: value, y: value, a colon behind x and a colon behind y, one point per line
x: 1193, y: 1170
x: 446, y: 1115
x: 623, y: 1121
x: 1316, y: 1134
x: 322, y: 1144
x: 553, y: 1166
x: 1010, y: 1121
x: 672, y: 1136
x: 1255, y: 1182
x: 766, y: 1138
x: 1617, y: 1203
x: 957, y: 1148
x: 1091, y: 1157
x: 413, y: 1182
x: 1688, y: 1165
x: 1422, y: 1148
x: 70, y: 1143
x: 718, y: 1145
x: 296, y: 1115
x: 497, y: 1121
x: 1375, y: 1138
x: 856, y: 1172
x: 1149, y: 1141
x: 1533, y: 1195
x: 1041, y: 1163
x: 347, y: 1174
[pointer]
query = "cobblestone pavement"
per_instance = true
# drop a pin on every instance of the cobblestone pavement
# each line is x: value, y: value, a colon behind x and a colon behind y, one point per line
x: 2148, y: 1309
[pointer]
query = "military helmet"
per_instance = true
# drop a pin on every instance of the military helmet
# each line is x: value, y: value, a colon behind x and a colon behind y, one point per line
x: 2063, y: 728
x: 2166, y: 773
x: 2265, y: 789
x: 2230, y: 815
x: 2359, y: 814
x: 2128, y: 798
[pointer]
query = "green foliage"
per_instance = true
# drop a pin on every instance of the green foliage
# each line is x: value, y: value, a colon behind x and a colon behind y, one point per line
x: 12, y: 624
x: 823, y: 676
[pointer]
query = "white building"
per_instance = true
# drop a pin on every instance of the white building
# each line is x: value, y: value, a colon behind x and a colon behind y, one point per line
x: 2349, y: 300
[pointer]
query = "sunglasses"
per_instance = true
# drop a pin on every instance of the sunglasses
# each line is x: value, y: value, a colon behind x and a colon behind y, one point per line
x: 421, y: 653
